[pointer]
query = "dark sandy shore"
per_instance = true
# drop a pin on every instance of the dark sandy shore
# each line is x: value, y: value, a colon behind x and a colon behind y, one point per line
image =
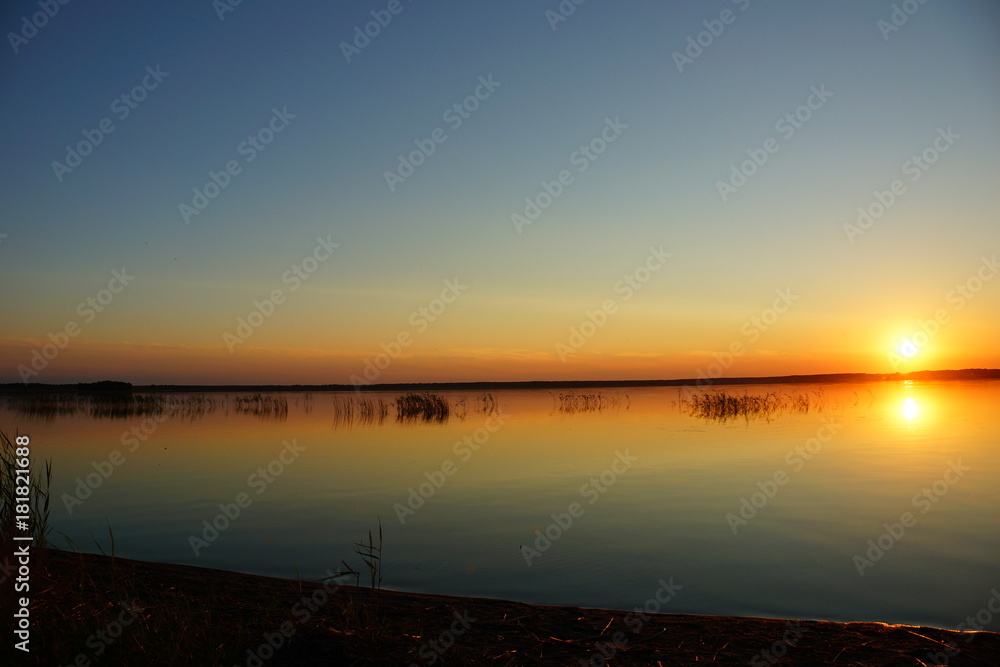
x: 90, y: 609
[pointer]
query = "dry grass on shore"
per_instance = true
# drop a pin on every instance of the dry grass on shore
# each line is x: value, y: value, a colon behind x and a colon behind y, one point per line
x: 195, y: 616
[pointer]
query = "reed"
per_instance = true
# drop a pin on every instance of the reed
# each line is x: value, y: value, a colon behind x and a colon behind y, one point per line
x: 483, y: 403
x: 486, y: 404
x: 372, y: 556
x: 265, y: 406
x: 306, y: 401
x: 422, y: 407
x: 723, y: 406
x: 38, y: 493
x: 358, y: 410
x: 122, y: 405
x: 192, y: 406
x: 117, y: 405
x: 571, y: 402
x: 45, y: 406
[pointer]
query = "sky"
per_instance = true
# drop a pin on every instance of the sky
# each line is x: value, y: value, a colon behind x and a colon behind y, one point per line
x: 409, y: 191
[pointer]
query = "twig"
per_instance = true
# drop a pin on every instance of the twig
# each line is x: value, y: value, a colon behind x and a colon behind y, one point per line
x: 929, y: 639
x: 646, y: 639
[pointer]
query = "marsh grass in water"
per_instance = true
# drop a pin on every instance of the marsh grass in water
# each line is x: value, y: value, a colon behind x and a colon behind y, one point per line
x: 723, y: 406
x: 348, y: 409
x: 484, y: 403
x: 44, y: 405
x: 572, y: 403
x: 305, y: 401
x: 122, y: 405
x: 422, y: 407
x: 127, y: 405
x: 358, y: 410
x: 264, y: 406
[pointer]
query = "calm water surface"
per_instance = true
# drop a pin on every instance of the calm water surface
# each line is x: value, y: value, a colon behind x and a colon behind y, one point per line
x: 826, y: 482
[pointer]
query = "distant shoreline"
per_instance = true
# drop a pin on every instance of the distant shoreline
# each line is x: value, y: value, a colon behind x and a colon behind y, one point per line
x: 964, y: 374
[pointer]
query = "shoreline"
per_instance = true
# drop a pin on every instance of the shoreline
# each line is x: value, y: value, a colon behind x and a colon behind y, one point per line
x: 299, y: 622
x: 942, y: 375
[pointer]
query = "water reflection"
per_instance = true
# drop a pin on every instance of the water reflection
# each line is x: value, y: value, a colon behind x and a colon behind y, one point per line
x: 426, y: 408
x: 353, y: 409
x: 723, y: 406
x: 572, y: 403
x: 492, y: 486
x: 47, y: 406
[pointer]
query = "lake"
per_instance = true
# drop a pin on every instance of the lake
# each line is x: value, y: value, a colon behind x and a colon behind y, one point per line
x: 876, y: 501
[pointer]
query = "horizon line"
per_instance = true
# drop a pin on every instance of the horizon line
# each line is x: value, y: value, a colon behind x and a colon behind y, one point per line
x: 951, y: 374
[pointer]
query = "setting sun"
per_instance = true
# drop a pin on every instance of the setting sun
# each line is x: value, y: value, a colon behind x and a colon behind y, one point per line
x: 908, y: 349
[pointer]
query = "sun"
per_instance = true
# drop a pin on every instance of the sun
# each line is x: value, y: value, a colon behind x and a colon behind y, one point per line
x: 908, y: 349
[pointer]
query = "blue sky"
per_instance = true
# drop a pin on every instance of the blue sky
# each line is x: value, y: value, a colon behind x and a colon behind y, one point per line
x: 655, y: 185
